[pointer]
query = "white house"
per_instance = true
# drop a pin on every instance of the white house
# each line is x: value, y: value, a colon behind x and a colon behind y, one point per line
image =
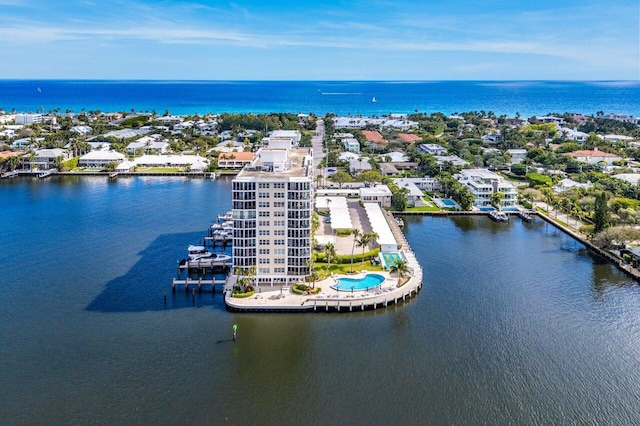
x: 361, y: 164
x: 46, y: 159
x: 351, y: 145
x: 572, y: 134
x: 484, y: 183
x: 293, y: 134
x: 594, y: 156
x: 194, y: 162
x: 432, y: 149
x: 100, y: 158
x: 81, y: 130
x: 568, y: 184
x: 517, y: 155
x: 380, y: 194
x: 415, y: 195
x: 424, y: 183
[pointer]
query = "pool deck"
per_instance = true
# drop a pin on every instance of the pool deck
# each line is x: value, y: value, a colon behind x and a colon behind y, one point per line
x: 282, y: 299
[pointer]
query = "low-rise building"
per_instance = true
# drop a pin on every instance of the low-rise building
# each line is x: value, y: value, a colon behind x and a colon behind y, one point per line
x: 100, y: 158
x: 483, y: 184
x: 351, y: 145
x: 594, y: 156
x: 361, y: 164
x: 380, y: 194
x: 517, y: 155
x: 28, y: 118
x: 432, y: 149
x: 567, y: 184
x: 235, y: 160
x: 45, y: 159
x: 414, y: 195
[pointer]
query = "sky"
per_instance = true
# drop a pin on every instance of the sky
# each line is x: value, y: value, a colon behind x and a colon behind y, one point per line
x: 320, y: 40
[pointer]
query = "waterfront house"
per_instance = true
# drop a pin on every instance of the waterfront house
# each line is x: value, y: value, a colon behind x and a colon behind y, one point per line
x: 429, y: 184
x: 415, y: 195
x: 195, y: 163
x: 483, y: 183
x: 45, y: 159
x: 100, y: 159
x: 234, y: 160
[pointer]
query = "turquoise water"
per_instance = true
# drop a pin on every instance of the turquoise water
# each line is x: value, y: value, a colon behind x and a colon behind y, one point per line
x: 357, y: 284
x: 448, y: 202
x: 321, y: 97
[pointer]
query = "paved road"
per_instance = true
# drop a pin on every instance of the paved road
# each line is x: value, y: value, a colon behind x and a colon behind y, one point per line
x: 317, y: 142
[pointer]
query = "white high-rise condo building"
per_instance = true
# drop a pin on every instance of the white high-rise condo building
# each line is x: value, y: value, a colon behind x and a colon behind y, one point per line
x: 272, y: 205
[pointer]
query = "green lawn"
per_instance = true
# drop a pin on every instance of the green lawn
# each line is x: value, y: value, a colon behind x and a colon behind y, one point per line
x: 321, y: 268
x: 159, y: 169
x: 427, y: 208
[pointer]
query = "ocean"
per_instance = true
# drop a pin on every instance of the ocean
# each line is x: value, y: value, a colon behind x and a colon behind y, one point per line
x: 516, y: 324
x: 527, y: 98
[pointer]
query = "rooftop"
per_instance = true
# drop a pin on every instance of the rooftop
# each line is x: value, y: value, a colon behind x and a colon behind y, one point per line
x: 298, y: 164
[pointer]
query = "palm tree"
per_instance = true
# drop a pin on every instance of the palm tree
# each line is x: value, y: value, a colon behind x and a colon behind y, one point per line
x: 366, y: 238
x: 401, y: 268
x: 330, y: 252
x: 356, y: 233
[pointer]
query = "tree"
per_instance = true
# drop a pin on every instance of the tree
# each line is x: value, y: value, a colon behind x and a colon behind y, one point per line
x: 401, y: 268
x: 330, y: 252
x: 356, y: 233
x: 370, y: 176
x: 341, y: 178
x: 601, y: 212
x: 364, y: 241
x: 496, y: 199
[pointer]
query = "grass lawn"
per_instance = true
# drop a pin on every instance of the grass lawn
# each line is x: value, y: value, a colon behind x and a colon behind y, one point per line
x: 159, y: 169
x: 427, y: 208
x: 321, y: 268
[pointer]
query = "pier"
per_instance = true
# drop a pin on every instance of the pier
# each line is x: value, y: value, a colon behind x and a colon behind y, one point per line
x: 200, y: 283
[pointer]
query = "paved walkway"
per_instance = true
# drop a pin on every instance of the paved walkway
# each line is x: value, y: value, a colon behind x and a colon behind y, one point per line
x: 555, y: 214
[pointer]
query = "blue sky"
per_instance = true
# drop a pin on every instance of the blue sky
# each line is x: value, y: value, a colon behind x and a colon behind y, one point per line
x: 321, y: 40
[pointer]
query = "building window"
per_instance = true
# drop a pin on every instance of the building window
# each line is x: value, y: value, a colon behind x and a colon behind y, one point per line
x: 264, y: 242
x: 279, y: 242
x: 279, y: 270
x: 263, y: 204
x: 278, y: 185
x: 278, y: 195
x: 264, y: 233
x: 263, y: 251
x: 278, y: 204
x: 278, y: 261
x: 263, y: 185
x: 278, y: 214
x: 278, y: 232
x: 263, y: 195
x: 264, y: 223
x: 264, y: 270
x: 264, y: 214
x: 265, y: 261
x: 278, y: 251
x: 277, y: 223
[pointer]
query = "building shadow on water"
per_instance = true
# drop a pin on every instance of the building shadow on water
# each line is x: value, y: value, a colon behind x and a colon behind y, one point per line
x: 143, y: 287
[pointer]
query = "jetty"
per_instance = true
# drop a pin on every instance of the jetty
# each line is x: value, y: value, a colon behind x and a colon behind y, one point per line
x: 199, y: 282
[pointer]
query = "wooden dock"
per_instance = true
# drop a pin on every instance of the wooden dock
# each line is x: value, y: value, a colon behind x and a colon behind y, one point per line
x: 204, y: 264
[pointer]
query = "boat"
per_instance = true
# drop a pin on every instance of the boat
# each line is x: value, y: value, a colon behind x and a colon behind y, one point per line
x: 498, y: 216
x: 227, y: 217
x: 199, y: 252
x: 374, y: 100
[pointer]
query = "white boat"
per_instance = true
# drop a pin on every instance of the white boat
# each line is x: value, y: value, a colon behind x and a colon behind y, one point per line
x: 199, y: 252
x: 374, y: 100
x: 228, y: 217
x: 498, y: 216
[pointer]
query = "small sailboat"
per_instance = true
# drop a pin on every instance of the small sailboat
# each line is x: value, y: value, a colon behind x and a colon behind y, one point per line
x: 374, y: 100
x: 39, y: 90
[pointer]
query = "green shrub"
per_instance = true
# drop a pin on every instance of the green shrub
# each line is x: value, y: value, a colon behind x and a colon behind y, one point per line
x: 342, y: 259
x: 343, y: 232
x: 70, y: 164
x: 303, y: 288
x: 243, y: 295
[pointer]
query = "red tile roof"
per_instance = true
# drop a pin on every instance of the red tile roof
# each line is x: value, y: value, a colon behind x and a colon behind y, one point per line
x: 407, y: 137
x: 238, y: 156
x: 589, y: 153
x: 373, y: 136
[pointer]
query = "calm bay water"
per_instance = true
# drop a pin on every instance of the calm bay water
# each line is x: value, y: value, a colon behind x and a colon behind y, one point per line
x: 340, y: 97
x: 516, y: 323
